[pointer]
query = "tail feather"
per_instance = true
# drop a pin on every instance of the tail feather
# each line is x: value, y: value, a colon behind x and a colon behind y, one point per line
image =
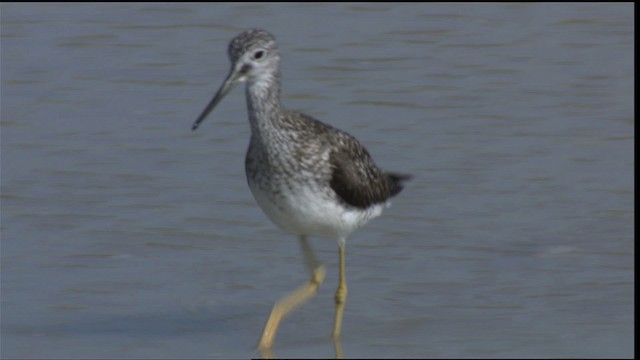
x: 396, y: 182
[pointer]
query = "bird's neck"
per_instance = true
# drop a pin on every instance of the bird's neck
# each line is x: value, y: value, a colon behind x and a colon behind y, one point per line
x: 263, y: 103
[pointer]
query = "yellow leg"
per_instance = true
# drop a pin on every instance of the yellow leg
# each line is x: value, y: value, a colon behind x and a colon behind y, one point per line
x: 287, y: 304
x: 341, y: 298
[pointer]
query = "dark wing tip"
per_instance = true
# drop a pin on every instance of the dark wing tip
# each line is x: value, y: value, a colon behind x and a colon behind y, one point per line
x: 396, y: 182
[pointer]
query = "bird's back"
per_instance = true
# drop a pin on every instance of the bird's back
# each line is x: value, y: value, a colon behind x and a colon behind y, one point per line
x: 338, y: 159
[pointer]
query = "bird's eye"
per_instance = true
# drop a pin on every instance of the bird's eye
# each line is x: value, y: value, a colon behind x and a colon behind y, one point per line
x: 258, y: 54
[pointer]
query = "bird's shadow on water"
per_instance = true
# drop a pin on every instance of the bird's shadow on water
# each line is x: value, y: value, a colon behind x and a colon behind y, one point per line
x: 231, y: 330
x: 225, y: 331
x: 159, y: 324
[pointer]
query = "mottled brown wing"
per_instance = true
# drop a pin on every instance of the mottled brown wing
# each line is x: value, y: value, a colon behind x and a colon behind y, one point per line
x: 356, y: 179
x: 354, y: 176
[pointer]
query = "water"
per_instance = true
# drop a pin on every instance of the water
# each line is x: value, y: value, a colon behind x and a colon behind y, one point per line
x: 126, y: 235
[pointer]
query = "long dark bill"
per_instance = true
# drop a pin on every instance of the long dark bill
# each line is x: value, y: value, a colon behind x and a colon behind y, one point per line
x: 228, y: 84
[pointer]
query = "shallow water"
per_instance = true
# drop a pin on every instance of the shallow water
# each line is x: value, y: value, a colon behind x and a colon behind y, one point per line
x: 126, y: 235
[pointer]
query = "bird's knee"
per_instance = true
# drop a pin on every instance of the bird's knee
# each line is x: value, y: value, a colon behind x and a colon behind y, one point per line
x: 341, y: 295
x: 318, y: 275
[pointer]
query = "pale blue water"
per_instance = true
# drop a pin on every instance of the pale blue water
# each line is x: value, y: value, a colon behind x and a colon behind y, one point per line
x: 126, y: 235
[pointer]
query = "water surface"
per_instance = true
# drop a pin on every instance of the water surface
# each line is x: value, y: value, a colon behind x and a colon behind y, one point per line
x: 126, y: 235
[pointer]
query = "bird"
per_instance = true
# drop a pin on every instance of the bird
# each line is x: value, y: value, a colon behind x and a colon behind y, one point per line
x: 308, y: 177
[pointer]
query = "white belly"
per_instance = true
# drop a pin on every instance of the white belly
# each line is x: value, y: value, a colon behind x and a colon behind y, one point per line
x: 309, y: 211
